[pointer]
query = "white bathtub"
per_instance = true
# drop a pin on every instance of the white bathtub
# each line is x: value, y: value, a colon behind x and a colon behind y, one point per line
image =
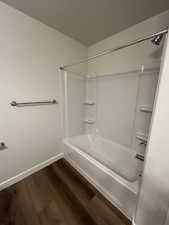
x: 116, y: 157
x: 111, y: 167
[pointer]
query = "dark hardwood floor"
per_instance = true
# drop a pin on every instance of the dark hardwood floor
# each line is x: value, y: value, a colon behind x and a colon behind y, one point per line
x: 57, y: 195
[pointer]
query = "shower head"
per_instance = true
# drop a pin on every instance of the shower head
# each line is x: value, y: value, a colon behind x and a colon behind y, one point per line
x: 157, y: 39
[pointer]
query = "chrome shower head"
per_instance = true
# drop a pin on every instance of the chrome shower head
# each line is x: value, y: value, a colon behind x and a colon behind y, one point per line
x: 157, y: 39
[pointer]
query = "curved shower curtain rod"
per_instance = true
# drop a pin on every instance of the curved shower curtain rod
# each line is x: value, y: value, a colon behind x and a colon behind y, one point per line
x: 108, y: 51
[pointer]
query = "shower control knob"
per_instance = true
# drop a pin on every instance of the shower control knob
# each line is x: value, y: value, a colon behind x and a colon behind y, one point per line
x: 2, y: 145
x: 140, y: 157
x: 143, y: 143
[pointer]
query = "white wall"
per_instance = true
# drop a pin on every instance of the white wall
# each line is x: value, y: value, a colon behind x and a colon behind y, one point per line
x: 30, y: 55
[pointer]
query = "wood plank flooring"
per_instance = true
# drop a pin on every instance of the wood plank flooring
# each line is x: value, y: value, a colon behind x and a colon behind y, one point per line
x: 57, y: 195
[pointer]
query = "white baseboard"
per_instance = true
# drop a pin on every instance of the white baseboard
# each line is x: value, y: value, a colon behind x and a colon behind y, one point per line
x: 30, y: 171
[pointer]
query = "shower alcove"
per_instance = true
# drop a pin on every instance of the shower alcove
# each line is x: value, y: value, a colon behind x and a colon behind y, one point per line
x: 107, y: 122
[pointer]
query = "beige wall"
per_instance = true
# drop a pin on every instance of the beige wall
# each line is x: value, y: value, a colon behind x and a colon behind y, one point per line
x: 30, y: 55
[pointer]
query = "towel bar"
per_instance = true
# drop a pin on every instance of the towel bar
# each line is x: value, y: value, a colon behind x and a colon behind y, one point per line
x: 14, y: 103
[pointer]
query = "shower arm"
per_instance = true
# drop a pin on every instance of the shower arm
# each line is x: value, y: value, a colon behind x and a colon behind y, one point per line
x: 109, y: 51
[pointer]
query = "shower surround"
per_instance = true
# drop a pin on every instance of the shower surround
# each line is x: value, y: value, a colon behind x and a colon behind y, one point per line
x: 107, y: 119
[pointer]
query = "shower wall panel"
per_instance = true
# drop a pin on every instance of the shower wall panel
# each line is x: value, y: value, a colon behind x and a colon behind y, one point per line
x: 116, y: 102
x: 75, y: 98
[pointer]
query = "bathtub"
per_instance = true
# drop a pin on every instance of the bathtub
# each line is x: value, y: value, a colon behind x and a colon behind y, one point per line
x: 110, y: 167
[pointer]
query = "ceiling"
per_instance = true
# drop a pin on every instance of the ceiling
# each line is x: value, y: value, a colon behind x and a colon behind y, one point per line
x: 90, y: 21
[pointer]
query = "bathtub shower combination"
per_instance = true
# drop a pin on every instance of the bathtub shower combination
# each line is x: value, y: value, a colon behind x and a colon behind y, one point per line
x: 107, y: 121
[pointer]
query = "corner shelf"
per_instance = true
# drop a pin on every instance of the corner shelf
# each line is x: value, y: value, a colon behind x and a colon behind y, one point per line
x: 145, y: 108
x: 89, y: 121
x: 141, y: 137
x: 89, y: 103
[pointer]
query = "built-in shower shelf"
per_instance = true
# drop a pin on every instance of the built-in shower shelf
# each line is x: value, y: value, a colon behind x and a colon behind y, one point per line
x: 88, y: 121
x: 89, y: 103
x: 145, y: 108
x: 142, y: 137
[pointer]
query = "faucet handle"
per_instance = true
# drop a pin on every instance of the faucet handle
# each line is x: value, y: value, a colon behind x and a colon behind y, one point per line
x: 140, y: 157
x: 143, y: 143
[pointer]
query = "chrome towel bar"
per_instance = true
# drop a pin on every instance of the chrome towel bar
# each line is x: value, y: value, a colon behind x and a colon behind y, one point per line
x: 20, y: 104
